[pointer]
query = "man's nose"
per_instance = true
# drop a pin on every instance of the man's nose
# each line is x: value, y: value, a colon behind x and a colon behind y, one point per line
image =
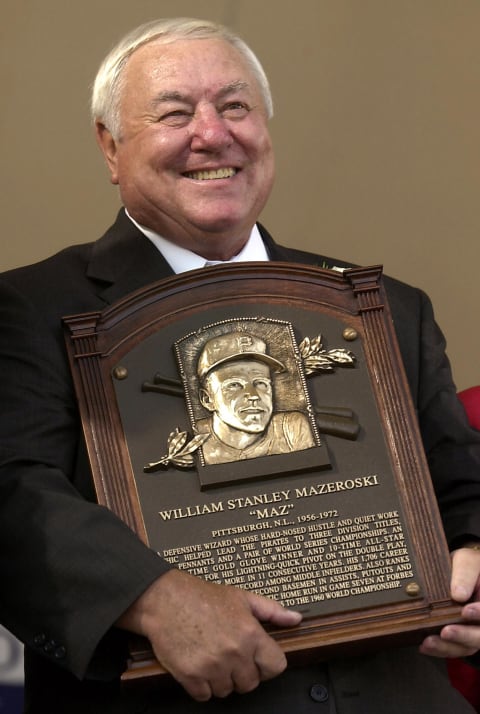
x: 209, y: 130
x: 251, y: 392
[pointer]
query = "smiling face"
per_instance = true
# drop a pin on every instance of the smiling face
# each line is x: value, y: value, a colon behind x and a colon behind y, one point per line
x: 240, y: 394
x: 194, y: 160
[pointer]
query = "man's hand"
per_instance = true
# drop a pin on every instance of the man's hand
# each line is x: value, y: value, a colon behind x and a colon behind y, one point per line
x: 209, y: 636
x: 460, y: 640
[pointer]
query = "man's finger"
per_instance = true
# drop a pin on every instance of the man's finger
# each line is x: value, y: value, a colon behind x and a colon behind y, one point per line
x: 465, y: 573
x: 266, y: 610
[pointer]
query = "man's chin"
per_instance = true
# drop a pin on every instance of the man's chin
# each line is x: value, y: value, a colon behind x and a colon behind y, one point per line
x: 222, y: 219
x: 254, y: 428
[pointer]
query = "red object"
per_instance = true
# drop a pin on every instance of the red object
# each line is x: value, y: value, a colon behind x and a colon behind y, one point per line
x: 470, y: 399
x: 463, y: 676
x: 466, y: 679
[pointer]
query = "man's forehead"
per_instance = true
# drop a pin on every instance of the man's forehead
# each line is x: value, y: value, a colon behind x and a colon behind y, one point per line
x: 188, y: 69
x: 250, y: 365
x: 171, y: 55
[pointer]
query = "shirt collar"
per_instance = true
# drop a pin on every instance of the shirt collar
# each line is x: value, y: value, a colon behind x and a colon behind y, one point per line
x: 181, y: 259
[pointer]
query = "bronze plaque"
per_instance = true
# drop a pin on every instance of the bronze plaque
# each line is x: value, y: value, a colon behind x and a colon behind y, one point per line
x: 252, y: 423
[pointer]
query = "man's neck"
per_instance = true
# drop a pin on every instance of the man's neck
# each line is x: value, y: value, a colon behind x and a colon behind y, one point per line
x: 230, y: 436
x: 181, y: 259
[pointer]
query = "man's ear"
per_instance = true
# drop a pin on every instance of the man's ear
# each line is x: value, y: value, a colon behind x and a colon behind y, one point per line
x: 108, y: 147
x: 205, y: 399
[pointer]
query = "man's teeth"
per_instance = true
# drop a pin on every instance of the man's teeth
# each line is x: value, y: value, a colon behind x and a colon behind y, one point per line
x: 210, y: 174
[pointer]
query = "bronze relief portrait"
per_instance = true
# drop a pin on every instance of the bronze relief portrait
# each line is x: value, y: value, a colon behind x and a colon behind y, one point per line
x: 246, y: 394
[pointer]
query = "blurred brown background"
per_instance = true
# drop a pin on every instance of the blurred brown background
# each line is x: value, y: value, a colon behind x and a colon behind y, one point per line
x: 377, y: 131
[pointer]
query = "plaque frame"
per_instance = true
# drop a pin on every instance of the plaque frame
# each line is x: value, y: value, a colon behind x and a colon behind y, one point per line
x: 98, y: 343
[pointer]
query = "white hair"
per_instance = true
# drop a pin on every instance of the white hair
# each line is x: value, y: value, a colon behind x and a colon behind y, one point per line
x: 107, y: 87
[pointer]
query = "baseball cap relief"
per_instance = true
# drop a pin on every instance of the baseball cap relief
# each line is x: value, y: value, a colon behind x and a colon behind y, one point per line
x: 234, y: 346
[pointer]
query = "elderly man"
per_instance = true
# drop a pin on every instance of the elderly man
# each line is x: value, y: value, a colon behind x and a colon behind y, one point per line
x: 181, y: 112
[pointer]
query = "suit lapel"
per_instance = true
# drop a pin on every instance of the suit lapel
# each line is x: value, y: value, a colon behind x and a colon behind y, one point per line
x: 290, y: 255
x: 124, y: 260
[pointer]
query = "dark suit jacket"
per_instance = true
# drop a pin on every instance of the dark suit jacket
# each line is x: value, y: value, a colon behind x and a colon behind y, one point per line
x: 70, y: 568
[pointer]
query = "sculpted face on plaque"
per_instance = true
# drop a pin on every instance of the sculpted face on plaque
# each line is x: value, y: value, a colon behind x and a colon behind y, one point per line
x: 236, y: 378
x: 243, y: 402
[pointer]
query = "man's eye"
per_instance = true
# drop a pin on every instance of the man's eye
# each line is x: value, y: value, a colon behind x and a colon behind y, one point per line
x: 234, y: 385
x: 262, y: 384
x: 235, y: 110
x: 178, y: 117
